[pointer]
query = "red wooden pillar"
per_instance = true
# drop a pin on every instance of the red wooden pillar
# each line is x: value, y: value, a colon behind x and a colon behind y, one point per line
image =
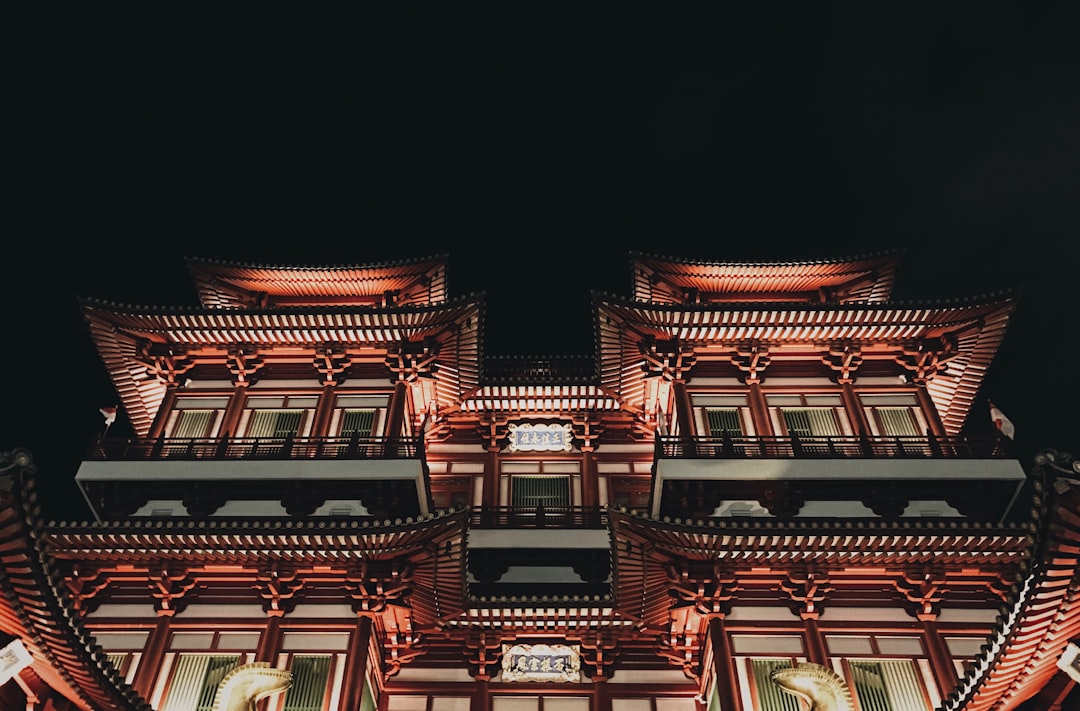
x: 157, y: 429
x: 723, y: 659
x: 590, y: 486
x: 759, y: 411
x: 491, y: 479
x: 324, y: 408
x: 231, y: 420
x: 684, y: 411
x: 481, y: 696
x: 270, y: 641
x: 933, y: 419
x: 356, y: 664
x: 150, y: 661
x: 395, y: 419
x: 815, y: 642
x: 940, y: 658
x: 854, y: 409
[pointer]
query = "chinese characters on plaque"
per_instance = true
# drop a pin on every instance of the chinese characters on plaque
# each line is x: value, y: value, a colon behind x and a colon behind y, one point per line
x: 540, y: 438
x: 541, y: 662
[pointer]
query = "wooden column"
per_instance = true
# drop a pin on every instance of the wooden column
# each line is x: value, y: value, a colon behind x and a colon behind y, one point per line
x: 601, y: 697
x: 854, y: 409
x: 815, y: 642
x: 491, y: 479
x: 590, y: 495
x: 940, y: 657
x: 270, y: 641
x: 356, y: 664
x: 150, y: 661
x: 324, y: 409
x: 395, y: 417
x: 231, y: 420
x: 157, y: 429
x: 759, y: 411
x: 481, y: 696
x: 933, y: 419
x: 684, y: 411
x: 723, y: 659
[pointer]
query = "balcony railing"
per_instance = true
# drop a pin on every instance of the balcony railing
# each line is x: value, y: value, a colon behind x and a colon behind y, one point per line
x: 170, y: 448
x: 828, y: 447
x: 538, y: 517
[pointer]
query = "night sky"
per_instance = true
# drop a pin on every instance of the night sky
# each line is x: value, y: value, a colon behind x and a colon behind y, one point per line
x: 536, y: 149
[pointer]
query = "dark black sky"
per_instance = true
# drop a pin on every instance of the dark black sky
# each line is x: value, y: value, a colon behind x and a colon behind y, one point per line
x: 536, y: 148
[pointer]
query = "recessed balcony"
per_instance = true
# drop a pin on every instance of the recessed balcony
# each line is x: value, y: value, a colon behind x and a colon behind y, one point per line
x: 791, y: 477
x: 256, y: 476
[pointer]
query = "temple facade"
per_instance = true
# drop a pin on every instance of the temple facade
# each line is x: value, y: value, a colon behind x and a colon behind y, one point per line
x: 757, y: 491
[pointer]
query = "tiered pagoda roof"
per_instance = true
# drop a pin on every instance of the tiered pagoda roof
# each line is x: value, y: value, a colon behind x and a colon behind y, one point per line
x: 671, y: 280
x: 418, y: 282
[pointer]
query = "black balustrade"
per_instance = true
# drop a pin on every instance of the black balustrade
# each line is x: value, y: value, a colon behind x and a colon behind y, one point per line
x: 280, y: 448
x: 861, y: 447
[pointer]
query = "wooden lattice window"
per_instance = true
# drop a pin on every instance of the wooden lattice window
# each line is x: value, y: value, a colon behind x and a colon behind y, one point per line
x: 724, y: 422
x: 887, y: 685
x: 195, y: 681
x: 275, y: 423
x: 357, y: 422
x: 810, y: 421
x: 193, y: 424
x: 311, y: 672
x: 771, y: 697
x: 533, y: 491
x: 897, y: 422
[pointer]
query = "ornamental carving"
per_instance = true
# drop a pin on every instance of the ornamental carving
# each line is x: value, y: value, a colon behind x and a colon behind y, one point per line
x: 331, y: 362
x: 923, y: 591
x: 278, y: 586
x: 927, y: 357
x: 807, y: 590
x: 411, y: 360
x: 373, y: 585
x: 752, y: 359
x: 169, y: 586
x: 166, y: 363
x: 844, y: 359
x: 244, y: 362
x: 668, y: 359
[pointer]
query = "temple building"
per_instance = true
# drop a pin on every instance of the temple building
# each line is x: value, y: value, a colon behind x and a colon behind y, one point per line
x: 756, y: 493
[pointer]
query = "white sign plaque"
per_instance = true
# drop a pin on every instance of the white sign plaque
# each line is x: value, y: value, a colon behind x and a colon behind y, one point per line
x: 540, y: 438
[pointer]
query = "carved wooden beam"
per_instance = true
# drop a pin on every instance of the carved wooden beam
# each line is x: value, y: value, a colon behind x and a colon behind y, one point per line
x: 167, y: 363
x: 751, y: 358
x: 83, y: 586
x: 169, y: 586
x: 278, y: 585
x: 681, y: 643
x: 373, y: 587
x: 668, y: 359
x: 709, y: 595
x: 807, y: 590
x: 244, y: 362
x: 844, y: 359
x: 331, y: 362
x: 483, y: 652
x: 923, y: 592
x: 925, y: 358
x: 411, y: 360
